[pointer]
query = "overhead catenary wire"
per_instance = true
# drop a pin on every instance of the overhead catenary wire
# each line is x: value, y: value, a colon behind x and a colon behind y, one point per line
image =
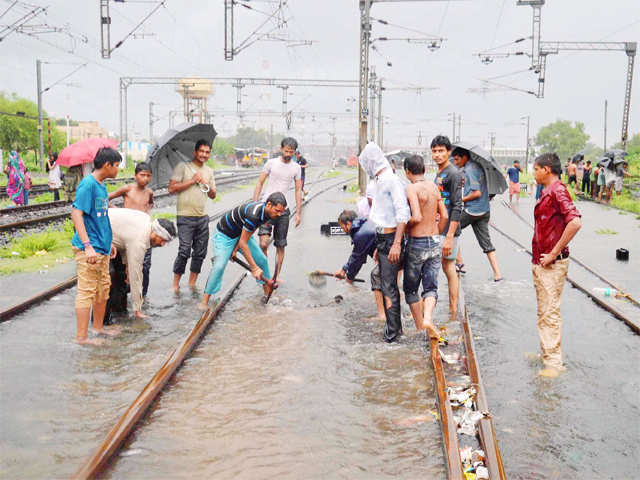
x: 119, y: 44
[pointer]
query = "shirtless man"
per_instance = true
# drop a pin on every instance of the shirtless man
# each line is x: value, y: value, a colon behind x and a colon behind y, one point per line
x: 572, y: 172
x: 137, y: 196
x: 422, y: 254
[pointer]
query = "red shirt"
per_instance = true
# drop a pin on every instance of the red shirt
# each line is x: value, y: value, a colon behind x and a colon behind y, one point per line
x: 553, y: 211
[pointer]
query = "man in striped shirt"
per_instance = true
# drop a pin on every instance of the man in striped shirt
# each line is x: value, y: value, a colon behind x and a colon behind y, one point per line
x: 235, y: 231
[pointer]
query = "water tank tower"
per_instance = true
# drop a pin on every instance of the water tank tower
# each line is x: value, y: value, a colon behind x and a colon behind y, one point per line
x: 195, y: 92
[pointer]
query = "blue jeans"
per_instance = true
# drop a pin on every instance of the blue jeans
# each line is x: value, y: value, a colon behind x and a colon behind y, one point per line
x: 421, y: 263
x: 222, y: 248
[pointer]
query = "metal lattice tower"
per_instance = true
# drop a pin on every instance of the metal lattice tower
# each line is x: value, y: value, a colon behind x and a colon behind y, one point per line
x: 105, y: 29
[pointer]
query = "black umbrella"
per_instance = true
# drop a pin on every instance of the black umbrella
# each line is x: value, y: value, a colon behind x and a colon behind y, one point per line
x: 604, y: 162
x: 496, y: 182
x: 175, y: 146
x: 615, y: 153
x: 577, y: 157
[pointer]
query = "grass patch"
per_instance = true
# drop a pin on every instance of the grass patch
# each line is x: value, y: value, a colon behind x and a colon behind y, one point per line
x: 37, y: 252
x: 626, y: 202
x: 333, y: 174
x: 353, y: 187
x: 606, y: 231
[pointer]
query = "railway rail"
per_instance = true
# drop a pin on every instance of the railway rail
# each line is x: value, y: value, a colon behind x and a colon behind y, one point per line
x: 10, y: 312
x: 127, y: 423
x: 469, y: 440
x: 65, y: 209
x: 610, y: 308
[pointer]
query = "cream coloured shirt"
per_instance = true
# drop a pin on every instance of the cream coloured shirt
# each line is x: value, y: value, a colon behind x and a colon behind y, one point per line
x: 192, y: 201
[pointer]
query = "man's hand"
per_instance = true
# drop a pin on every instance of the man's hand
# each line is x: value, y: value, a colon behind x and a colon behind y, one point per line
x: 114, y: 252
x: 257, y: 273
x: 90, y: 255
x: 394, y: 253
x: 297, y: 219
x: 341, y: 274
x: 547, y: 259
x: 197, y: 178
x: 447, y: 246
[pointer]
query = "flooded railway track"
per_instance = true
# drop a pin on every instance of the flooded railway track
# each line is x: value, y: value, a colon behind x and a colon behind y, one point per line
x: 20, y: 307
x: 469, y: 440
x: 28, y: 217
x: 127, y: 423
x: 608, y: 307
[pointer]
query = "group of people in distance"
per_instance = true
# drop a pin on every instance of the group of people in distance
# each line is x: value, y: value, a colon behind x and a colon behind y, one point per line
x: 599, y: 181
x: 416, y: 229
x: 112, y: 246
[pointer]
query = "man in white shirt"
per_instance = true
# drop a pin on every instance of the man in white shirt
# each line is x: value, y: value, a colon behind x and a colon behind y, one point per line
x: 390, y: 212
x: 283, y: 174
x: 133, y: 233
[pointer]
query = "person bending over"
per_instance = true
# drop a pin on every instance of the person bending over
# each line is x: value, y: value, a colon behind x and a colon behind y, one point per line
x: 363, y: 238
x: 422, y: 252
x: 235, y: 231
x: 134, y: 233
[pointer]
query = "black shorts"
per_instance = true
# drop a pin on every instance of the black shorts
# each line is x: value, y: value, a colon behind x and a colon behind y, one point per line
x: 572, y: 179
x: 280, y: 227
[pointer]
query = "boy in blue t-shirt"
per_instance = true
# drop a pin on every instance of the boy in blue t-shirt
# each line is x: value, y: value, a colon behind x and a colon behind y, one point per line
x: 92, y: 245
x: 514, y: 181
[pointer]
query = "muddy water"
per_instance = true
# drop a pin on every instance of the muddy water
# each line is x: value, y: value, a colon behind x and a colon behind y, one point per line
x: 303, y: 388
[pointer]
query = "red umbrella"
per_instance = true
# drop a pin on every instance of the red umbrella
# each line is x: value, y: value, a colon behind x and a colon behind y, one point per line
x: 84, y: 151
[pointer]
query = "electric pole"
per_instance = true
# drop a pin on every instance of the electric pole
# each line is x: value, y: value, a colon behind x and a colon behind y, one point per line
x: 493, y: 141
x: 373, y: 86
x: 365, y: 38
x: 605, y: 126
x: 39, y: 86
x: 453, y: 124
x: 526, y: 154
x: 459, y: 126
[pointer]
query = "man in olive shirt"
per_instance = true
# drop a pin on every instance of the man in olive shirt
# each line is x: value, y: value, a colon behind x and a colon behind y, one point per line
x: 193, y: 182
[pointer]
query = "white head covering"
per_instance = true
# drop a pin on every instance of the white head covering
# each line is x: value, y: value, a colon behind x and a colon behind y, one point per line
x: 160, y: 230
x: 372, y: 159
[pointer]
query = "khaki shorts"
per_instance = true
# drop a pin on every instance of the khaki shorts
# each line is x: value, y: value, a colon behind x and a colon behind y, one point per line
x: 93, y: 280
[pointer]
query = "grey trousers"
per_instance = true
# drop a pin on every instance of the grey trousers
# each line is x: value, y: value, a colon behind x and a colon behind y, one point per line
x: 193, y: 235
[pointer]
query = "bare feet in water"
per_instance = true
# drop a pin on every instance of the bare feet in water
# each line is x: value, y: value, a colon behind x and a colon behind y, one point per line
x: 551, y: 372
x: 110, y: 331
x: 203, y: 306
x: 89, y: 341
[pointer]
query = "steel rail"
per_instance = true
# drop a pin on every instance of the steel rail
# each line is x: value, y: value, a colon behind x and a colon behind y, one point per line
x: 486, y: 430
x: 611, y: 309
x: 51, y: 218
x: 33, y: 207
x: 447, y: 424
x: 128, y: 421
x: 579, y: 262
x: 35, y: 299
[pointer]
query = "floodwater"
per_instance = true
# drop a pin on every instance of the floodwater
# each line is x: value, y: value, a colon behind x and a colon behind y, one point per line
x: 305, y: 387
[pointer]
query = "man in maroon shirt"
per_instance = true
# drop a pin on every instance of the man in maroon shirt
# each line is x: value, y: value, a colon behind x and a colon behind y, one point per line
x: 557, y: 221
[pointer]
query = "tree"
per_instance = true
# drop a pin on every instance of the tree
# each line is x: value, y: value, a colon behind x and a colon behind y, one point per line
x: 247, y: 137
x: 222, y: 148
x: 21, y: 134
x: 562, y: 138
x: 633, y: 144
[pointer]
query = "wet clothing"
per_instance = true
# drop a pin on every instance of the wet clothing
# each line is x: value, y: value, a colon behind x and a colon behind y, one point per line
x: 449, y: 182
x: 280, y: 227
x: 93, y: 279
x: 282, y: 178
x: 572, y: 179
x: 552, y: 213
x: 421, y: 264
x: 586, y: 180
x: 475, y: 180
x: 514, y: 174
x: 117, y: 302
x: 248, y: 216
x: 193, y: 237
x: 222, y: 249
x: 302, y: 161
x: 372, y: 159
x: 363, y: 239
x: 619, y: 177
x: 454, y: 248
x: 549, y: 283
x: 146, y: 268
x: 389, y: 281
x: 363, y: 202
x: 131, y: 237
x: 93, y: 200
x: 390, y: 206
x: 480, y: 225
x: 192, y: 201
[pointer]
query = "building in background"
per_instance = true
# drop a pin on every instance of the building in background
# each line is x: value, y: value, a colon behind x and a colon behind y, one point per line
x: 84, y: 130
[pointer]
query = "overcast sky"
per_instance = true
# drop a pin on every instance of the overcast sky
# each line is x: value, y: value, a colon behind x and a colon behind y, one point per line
x: 189, y: 40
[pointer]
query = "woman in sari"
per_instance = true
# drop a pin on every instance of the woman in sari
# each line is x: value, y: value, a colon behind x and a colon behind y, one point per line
x: 15, y: 184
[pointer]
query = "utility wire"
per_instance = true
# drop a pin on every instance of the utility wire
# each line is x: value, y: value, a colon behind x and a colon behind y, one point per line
x: 8, y: 8
x: 495, y: 31
x: 408, y: 29
x: 64, y: 78
x: 119, y: 44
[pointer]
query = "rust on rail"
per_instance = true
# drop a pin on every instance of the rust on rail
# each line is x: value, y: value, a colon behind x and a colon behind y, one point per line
x: 127, y: 423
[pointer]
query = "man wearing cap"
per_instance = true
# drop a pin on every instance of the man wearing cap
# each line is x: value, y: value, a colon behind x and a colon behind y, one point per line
x: 133, y: 233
